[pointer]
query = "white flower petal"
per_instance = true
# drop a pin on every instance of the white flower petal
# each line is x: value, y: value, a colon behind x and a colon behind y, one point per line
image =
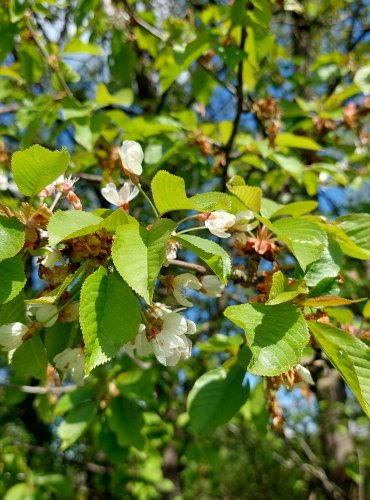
x: 124, y: 193
x: 132, y: 157
x: 305, y: 374
x: 72, y: 360
x: 212, y: 286
x: 11, y: 335
x: 110, y: 194
x: 218, y: 222
x: 45, y: 313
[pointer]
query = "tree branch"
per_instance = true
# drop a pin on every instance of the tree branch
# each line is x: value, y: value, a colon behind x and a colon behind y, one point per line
x: 239, y: 111
x: 53, y: 64
x: 30, y: 389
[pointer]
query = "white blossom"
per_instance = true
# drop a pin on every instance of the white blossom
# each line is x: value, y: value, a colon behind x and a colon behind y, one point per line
x: 11, y: 335
x: 132, y: 157
x: 243, y: 221
x: 180, y: 283
x: 64, y: 184
x: 3, y: 181
x: 212, y: 286
x: 305, y: 374
x: 70, y: 313
x: 140, y: 343
x: 171, y: 251
x: 170, y: 344
x: 52, y: 258
x: 72, y: 360
x: 219, y: 222
x: 122, y: 197
x: 44, y: 313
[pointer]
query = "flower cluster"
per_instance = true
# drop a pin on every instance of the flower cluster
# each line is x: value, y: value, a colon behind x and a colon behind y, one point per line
x: 164, y: 334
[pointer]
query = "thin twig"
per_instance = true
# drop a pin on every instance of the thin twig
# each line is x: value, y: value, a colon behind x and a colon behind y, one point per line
x: 238, y: 113
x: 140, y: 22
x: 30, y: 389
x: 54, y: 65
x: 189, y: 265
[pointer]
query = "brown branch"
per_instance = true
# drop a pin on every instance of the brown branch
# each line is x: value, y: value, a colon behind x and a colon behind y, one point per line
x: 143, y: 24
x: 51, y: 61
x: 30, y: 389
x: 189, y: 265
x: 239, y: 111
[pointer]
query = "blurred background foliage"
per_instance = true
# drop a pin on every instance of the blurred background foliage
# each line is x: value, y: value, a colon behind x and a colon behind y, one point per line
x: 277, y: 92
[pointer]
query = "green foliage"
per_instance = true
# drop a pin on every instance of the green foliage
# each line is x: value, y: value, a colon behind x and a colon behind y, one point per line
x: 11, y: 236
x: 36, y: 167
x: 243, y: 106
x: 12, y: 277
x: 350, y: 356
x: 105, y: 326
x: 215, y: 398
x: 276, y: 336
x: 149, y: 248
x: 210, y: 252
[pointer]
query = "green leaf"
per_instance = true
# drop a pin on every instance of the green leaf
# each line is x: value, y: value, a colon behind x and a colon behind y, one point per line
x: 362, y: 79
x: 11, y: 236
x: 77, y: 46
x: 276, y: 335
x: 181, y: 58
x: 148, y: 247
x: 169, y: 192
x: 251, y: 196
x: 296, y: 209
x: 328, y: 301
x: 30, y: 359
x: 305, y: 239
x: 347, y: 245
x: 281, y: 291
x: 357, y: 227
x: 64, y: 225
x: 123, y: 97
x: 296, y: 141
x: 327, y: 266
x: 350, y: 356
x: 36, y: 167
x: 17, y: 9
x: 126, y: 421
x: 12, y: 278
x: 207, y: 202
x: 215, y: 398
x: 109, y: 316
x: 221, y: 343
x: 76, y: 423
x: 210, y: 252
x: 73, y: 399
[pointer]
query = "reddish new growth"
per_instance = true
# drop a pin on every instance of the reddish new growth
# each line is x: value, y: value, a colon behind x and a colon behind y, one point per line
x: 263, y: 245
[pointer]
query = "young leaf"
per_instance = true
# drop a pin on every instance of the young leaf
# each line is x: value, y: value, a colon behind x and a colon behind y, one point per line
x: 215, y: 398
x: 350, y: 356
x: 109, y: 316
x: 12, y: 278
x: 11, y: 236
x: 357, y: 227
x: 251, y: 196
x: 210, y: 252
x: 169, y: 192
x: 70, y: 224
x: 276, y: 335
x: 139, y: 253
x: 281, y: 291
x: 36, y: 167
x: 297, y: 141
